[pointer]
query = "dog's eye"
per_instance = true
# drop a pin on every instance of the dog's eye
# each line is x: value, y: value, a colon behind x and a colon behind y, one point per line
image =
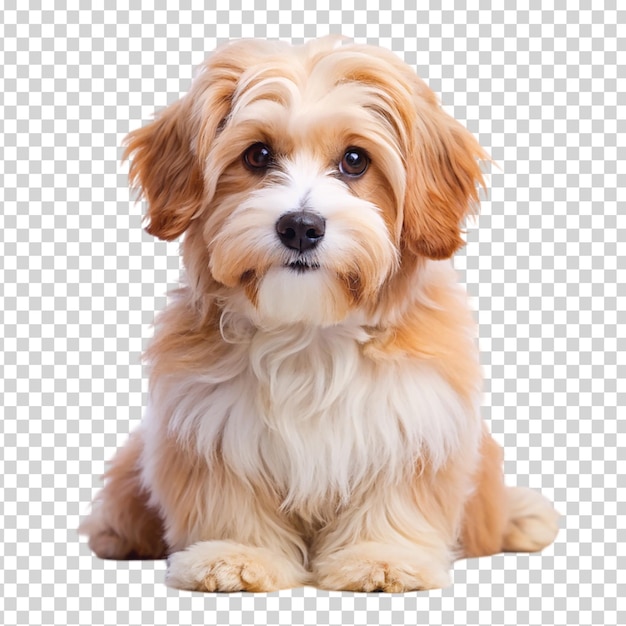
x: 354, y: 162
x: 258, y: 157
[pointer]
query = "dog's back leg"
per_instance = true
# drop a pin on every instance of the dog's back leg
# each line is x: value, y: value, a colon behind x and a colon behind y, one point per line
x: 504, y: 519
x: 121, y: 524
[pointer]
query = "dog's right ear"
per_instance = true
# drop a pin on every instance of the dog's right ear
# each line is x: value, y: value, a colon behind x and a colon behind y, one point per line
x: 166, y: 171
x: 165, y: 164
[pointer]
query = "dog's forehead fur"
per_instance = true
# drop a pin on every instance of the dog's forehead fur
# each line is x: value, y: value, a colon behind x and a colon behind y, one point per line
x: 319, y: 86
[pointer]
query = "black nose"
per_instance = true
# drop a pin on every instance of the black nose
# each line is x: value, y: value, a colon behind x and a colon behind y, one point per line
x: 301, y: 230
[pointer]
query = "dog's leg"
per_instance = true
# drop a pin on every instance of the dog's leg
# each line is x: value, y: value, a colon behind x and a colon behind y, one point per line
x: 234, y: 540
x: 239, y: 545
x: 121, y: 524
x: 499, y: 518
x: 533, y: 522
x: 486, y: 511
x: 223, y: 533
x: 394, y: 538
x: 394, y: 567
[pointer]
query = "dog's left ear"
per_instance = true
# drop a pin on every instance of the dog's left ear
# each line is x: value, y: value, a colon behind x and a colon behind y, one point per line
x: 443, y: 176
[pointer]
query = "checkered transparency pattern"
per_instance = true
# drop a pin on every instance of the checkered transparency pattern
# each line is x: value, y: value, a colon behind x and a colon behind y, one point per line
x: 542, y: 86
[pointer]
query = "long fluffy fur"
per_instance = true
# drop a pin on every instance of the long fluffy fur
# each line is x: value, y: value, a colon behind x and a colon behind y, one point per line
x: 319, y: 426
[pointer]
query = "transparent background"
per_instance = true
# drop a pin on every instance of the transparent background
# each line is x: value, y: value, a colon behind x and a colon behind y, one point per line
x: 540, y: 83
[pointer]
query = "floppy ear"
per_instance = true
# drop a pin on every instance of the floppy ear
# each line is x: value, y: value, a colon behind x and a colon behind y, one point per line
x: 443, y: 174
x: 166, y: 170
x: 168, y: 154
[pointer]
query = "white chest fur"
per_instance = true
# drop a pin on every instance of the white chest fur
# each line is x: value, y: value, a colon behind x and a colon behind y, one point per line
x: 305, y: 411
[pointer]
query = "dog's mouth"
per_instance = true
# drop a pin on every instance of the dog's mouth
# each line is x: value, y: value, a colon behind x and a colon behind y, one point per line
x: 302, y: 266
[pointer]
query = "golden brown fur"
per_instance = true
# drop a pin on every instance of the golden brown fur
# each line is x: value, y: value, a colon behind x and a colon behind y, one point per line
x: 131, y: 529
x: 317, y: 426
x: 486, y: 512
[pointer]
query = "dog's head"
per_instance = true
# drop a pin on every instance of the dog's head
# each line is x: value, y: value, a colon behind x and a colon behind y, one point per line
x: 306, y: 178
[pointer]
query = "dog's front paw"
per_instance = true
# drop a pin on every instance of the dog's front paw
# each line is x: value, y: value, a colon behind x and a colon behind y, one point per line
x: 379, y: 567
x: 229, y: 566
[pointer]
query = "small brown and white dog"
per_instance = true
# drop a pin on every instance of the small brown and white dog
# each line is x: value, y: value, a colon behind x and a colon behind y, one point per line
x: 314, y: 384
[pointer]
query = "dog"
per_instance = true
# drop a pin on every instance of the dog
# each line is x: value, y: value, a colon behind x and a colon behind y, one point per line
x: 314, y: 394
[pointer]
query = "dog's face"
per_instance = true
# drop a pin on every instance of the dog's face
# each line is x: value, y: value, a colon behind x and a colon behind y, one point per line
x: 306, y: 179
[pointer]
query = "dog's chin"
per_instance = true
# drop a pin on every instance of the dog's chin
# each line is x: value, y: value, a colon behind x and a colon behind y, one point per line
x: 301, y: 293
